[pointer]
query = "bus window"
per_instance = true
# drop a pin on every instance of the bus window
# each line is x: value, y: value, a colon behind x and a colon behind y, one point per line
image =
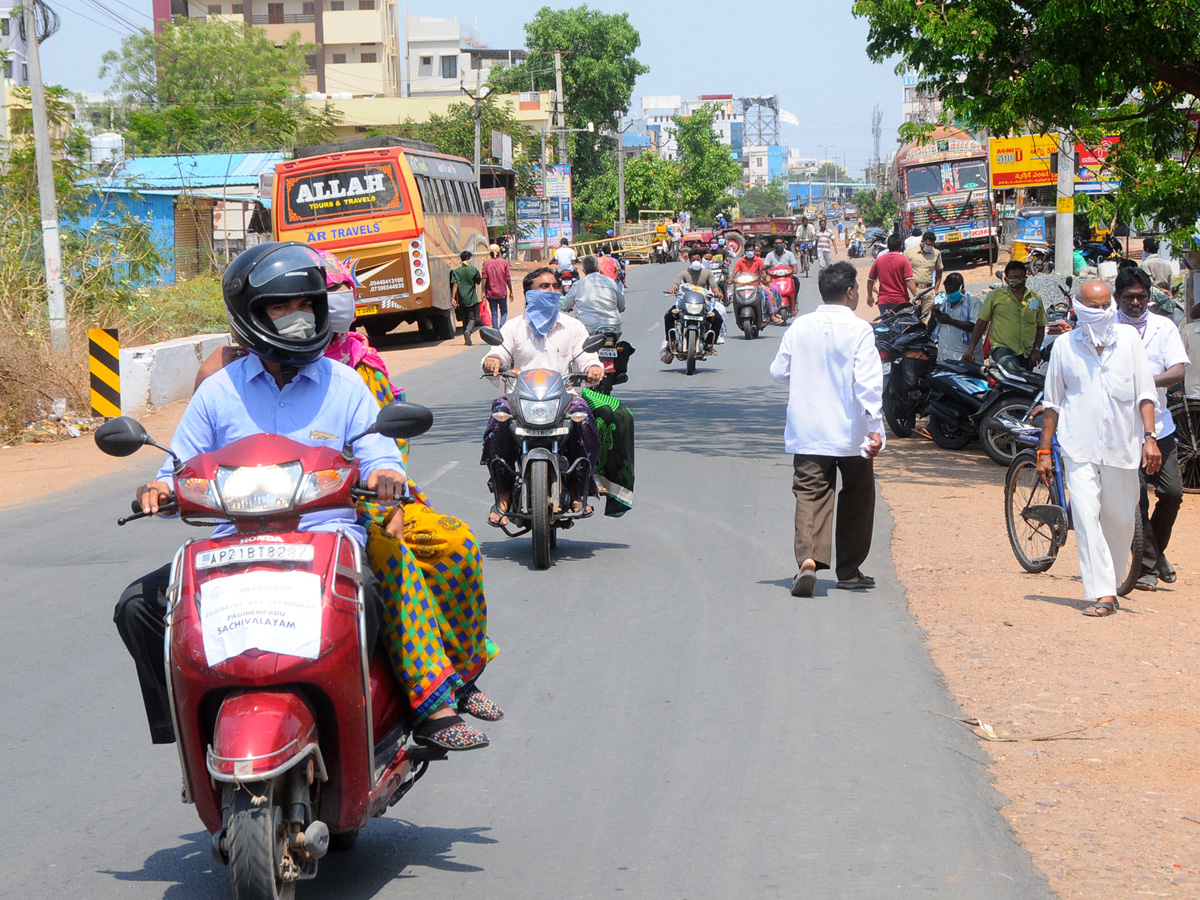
x: 446, y: 206
x: 426, y: 194
x: 924, y: 181
x: 473, y: 196
x: 460, y: 194
x: 970, y: 175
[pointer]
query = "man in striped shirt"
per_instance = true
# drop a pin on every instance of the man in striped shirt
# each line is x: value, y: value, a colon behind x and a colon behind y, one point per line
x: 825, y: 246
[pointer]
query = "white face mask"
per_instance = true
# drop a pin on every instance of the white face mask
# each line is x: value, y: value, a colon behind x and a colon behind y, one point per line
x: 1100, y: 323
x: 697, y: 265
x: 299, y: 326
x: 341, y: 310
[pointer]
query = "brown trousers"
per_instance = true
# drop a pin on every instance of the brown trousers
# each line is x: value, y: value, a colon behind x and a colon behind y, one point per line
x: 814, y: 480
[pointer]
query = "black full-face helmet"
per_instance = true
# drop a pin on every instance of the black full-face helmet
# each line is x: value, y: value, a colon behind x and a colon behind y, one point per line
x: 268, y: 273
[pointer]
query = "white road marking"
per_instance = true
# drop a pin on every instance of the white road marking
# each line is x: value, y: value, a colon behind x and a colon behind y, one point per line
x: 424, y: 482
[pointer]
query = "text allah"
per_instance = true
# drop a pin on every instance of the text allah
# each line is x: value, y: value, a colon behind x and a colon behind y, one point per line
x: 333, y: 189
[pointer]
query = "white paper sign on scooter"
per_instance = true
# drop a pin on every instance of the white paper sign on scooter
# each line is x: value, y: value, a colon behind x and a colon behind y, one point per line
x: 276, y: 612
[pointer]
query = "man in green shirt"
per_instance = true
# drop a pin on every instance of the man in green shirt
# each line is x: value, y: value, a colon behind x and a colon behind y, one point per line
x: 464, y: 292
x: 1018, y: 321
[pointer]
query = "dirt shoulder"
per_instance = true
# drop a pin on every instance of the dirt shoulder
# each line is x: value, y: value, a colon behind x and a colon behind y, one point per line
x: 1113, y: 812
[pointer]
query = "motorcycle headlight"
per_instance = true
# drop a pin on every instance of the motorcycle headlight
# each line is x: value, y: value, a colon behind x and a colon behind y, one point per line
x: 259, y: 490
x: 539, y: 412
x: 692, y: 308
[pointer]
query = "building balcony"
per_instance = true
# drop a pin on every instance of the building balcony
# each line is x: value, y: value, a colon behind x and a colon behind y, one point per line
x: 285, y: 19
x: 279, y: 34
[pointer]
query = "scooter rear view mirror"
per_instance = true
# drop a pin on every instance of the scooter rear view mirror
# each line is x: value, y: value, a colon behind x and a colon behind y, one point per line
x: 122, y: 436
x: 491, y: 336
x: 403, y: 420
x: 594, y: 343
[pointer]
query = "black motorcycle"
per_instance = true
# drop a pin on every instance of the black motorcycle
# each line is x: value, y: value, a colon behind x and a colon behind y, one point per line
x: 1013, y: 391
x: 614, y: 356
x: 908, y: 354
x: 957, y: 391
x: 538, y: 401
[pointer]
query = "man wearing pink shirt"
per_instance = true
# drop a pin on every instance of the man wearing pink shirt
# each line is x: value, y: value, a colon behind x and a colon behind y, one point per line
x: 497, y: 285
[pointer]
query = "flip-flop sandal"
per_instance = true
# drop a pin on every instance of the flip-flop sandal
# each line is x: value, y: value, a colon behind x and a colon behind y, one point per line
x: 1102, y: 608
x: 497, y: 517
x: 449, y: 733
x: 860, y: 583
x: 578, y: 507
x: 804, y: 583
x: 476, y: 703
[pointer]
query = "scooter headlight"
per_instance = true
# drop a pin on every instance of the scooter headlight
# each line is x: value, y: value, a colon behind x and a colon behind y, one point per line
x: 259, y: 490
x: 539, y: 412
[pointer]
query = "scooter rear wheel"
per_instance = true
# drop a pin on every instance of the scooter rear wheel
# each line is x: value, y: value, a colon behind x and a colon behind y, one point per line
x: 949, y: 436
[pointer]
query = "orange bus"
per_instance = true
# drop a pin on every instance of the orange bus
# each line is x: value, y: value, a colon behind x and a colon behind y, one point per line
x: 399, y: 216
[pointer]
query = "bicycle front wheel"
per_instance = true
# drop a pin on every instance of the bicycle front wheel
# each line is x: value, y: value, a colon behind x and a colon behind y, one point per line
x: 1029, y: 512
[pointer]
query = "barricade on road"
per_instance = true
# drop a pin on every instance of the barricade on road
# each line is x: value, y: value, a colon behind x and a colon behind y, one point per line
x: 162, y: 373
x: 104, y: 369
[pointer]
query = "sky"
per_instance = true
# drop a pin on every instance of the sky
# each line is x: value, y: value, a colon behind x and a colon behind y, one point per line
x: 810, y: 53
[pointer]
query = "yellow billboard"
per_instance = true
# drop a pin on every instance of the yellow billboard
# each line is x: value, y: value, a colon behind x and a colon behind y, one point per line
x: 1024, y: 161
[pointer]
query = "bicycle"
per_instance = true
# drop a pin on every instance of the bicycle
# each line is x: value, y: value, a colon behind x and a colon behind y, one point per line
x: 1039, y: 516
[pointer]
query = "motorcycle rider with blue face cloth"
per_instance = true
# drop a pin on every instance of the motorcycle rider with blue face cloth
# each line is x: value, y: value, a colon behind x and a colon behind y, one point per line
x: 541, y: 339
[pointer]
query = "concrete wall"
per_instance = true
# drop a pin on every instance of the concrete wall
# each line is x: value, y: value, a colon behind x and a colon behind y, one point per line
x: 159, y: 374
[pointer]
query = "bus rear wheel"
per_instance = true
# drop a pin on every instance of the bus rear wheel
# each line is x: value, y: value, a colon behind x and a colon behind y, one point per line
x: 443, y: 324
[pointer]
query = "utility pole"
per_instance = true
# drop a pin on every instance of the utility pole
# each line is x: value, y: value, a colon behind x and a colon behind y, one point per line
x: 620, y: 179
x: 560, y: 108
x: 545, y: 205
x: 56, y: 302
x: 1064, y: 223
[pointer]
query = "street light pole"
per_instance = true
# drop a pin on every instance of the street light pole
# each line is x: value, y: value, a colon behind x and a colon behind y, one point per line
x: 477, y: 115
x: 545, y: 204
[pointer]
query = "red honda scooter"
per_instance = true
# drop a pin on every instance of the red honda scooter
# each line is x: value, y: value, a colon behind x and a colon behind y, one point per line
x: 783, y: 280
x: 290, y: 728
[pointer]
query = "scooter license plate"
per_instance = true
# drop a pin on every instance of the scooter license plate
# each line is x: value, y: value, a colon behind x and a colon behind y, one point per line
x: 246, y: 554
x: 607, y: 352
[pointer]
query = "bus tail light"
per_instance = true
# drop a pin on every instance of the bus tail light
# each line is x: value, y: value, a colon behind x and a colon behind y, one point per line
x: 417, y: 264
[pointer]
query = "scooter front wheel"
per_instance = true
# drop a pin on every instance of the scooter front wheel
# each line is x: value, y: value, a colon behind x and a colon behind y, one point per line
x: 748, y: 330
x: 254, y: 840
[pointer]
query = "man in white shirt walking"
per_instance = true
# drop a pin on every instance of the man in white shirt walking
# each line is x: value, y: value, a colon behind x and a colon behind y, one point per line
x: 834, y: 425
x: 1168, y: 363
x: 1099, y: 390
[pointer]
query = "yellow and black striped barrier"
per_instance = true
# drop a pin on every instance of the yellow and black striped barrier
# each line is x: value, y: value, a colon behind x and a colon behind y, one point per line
x: 104, y: 363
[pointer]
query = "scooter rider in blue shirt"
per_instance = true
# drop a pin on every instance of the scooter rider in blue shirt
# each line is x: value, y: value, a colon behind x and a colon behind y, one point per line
x: 275, y: 296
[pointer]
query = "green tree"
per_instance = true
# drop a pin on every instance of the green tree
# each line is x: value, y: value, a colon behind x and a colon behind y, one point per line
x: 599, y: 71
x: 876, y: 207
x: 210, y: 86
x: 765, y: 200
x: 830, y: 171
x: 707, y: 171
x: 650, y: 183
x: 1088, y: 68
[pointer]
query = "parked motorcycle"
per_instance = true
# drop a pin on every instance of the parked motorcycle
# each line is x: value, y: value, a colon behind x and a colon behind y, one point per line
x: 538, y: 400
x: 1012, y: 393
x: 908, y: 353
x: 691, y: 336
x: 747, y: 305
x: 957, y: 392
x: 876, y: 242
x: 290, y: 728
x: 782, y: 279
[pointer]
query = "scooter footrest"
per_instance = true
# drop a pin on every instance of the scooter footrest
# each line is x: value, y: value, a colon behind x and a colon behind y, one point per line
x: 419, y: 754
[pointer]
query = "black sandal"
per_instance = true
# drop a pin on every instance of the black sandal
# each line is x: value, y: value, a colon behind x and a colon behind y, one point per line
x: 1102, y: 608
x: 449, y: 733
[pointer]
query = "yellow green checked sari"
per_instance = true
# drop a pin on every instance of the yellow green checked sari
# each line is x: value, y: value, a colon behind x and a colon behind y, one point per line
x: 435, y: 627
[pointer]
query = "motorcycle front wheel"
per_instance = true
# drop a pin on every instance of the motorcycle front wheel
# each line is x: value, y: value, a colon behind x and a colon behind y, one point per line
x: 539, y: 508
x: 692, y: 339
x: 998, y: 443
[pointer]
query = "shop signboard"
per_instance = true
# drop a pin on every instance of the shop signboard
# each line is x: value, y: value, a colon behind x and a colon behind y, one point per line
x: 1024, y: 161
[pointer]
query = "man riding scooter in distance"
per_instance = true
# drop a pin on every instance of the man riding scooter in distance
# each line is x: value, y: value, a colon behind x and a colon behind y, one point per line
x: 277, y: 302
x: 752, y: 263
x: 780, y: 255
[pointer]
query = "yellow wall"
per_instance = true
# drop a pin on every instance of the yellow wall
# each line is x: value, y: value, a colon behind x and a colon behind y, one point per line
x: 379, y: 112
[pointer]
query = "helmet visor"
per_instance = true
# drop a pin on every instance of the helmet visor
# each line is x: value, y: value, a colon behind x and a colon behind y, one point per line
x: 291, y: 270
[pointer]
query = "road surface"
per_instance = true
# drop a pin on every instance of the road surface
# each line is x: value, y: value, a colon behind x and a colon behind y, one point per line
x: 678, y: 726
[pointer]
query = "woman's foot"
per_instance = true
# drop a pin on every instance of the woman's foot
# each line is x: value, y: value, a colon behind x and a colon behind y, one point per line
x: 497, y: 517
x: 476, y: 703
x: 1102, y: 608
x: 446, y: 731
x: 577, y: 507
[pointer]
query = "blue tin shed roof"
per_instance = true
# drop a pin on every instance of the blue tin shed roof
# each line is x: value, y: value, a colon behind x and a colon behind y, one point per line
x: 207, y: 170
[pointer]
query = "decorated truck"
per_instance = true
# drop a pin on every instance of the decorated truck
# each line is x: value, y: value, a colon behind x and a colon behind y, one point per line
x: 942, y: 185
